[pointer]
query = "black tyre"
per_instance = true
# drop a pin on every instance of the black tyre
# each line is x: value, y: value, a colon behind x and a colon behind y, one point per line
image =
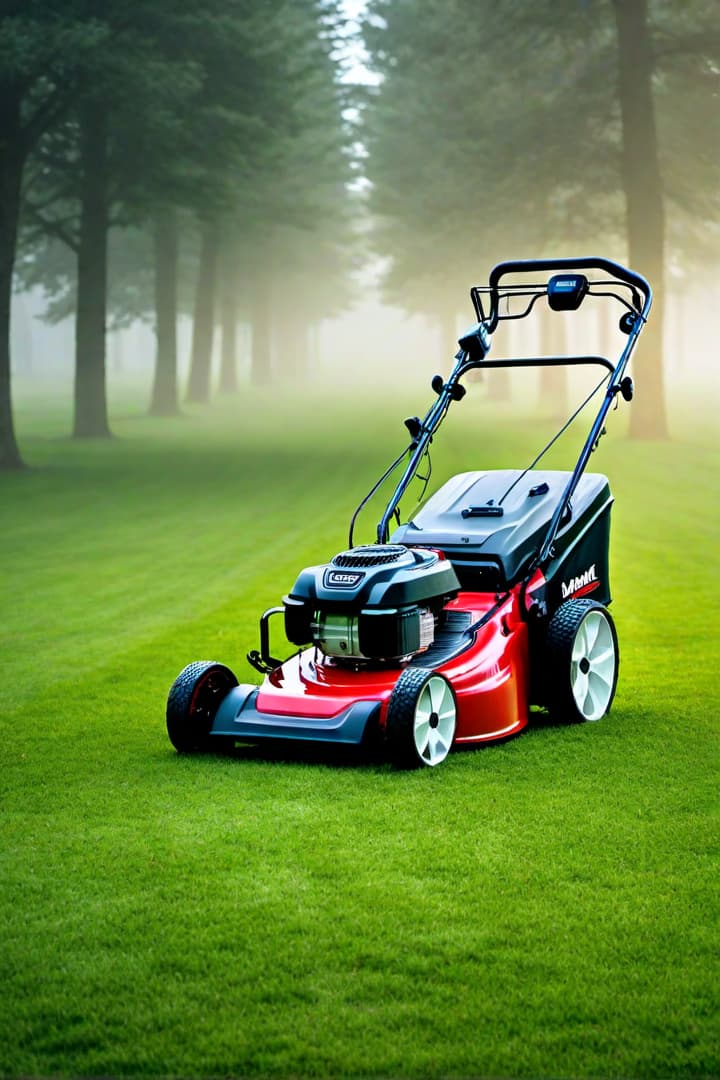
x: 193, y: 701
x: 421, y: 719
x: 581, y: 662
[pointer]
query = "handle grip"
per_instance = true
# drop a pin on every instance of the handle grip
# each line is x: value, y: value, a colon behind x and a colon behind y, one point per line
x: 587, y: 262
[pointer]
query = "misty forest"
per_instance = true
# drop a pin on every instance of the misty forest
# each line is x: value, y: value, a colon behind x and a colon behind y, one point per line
x: 234, y: 177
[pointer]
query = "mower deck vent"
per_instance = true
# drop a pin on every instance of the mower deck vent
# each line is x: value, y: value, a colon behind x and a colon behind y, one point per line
x: 370, y: 555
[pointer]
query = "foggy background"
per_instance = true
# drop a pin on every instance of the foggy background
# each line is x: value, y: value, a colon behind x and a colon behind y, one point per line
x: 332, y: 179
x: 371, y: 338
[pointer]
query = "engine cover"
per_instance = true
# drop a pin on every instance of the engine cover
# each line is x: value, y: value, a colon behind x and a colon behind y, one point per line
x: 375, y: 602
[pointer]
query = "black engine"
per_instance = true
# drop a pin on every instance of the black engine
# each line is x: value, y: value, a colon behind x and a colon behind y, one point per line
x: 375, y: 602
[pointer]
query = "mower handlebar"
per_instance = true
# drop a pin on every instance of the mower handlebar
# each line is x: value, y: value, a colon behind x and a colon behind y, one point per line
x: 525, y: 266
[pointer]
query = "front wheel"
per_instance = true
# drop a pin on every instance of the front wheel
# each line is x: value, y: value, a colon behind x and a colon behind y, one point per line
x: 193, y: 701
x: 582, y: 661
x: 421, y: 719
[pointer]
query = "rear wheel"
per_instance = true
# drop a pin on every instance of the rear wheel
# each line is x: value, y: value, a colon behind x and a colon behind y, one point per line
x: 193, y: 701
x: 421, y: 719
x: 582, y: 660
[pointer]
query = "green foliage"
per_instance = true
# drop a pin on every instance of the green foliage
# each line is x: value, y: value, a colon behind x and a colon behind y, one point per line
x: 41, y: 48
x: 495, y: 131
x: 469, y: 162
x: 544, y: 907
x: 232, y: 112
x: 292, y: 223
x: 687, y: 86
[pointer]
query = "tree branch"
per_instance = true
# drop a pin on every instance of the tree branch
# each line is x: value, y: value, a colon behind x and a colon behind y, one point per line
x: 52, y: 228
x: 700, y: 45
x: 47, y: 114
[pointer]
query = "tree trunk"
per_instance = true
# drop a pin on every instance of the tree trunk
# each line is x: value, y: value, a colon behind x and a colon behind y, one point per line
x: 11, y: 169
x: 229, y: 321
x: 261, y: 357
x: 91, y: 419
x: 644, y: 208
x: 164, y: 401
x: 299, y: 349
x: 204, y: 317
x: 290, y: 346
x: 553, y: 380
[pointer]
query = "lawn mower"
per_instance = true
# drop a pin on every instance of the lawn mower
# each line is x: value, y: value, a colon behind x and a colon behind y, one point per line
x: 493, y: 597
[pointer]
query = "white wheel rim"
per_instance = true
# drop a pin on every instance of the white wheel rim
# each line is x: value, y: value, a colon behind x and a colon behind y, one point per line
x: 592, y: 667
x: 434, y: 723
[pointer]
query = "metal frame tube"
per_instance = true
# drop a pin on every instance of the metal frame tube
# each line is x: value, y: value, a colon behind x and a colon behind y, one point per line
x: 437, y: 411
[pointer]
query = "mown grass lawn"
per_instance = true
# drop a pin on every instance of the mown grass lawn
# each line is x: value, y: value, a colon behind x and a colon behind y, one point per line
x: 546, y: 907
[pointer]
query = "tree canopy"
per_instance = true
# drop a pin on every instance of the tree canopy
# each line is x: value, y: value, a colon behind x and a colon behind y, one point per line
x: 226, y: 120
x: 500, y: 129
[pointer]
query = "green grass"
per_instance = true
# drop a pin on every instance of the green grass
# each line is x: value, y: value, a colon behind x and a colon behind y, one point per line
x: 547, y: 907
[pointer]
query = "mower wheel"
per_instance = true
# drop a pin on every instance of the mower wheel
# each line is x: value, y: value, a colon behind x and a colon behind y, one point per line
x: 193, y: 702
x: 421, y: 719
x: 582, y: 661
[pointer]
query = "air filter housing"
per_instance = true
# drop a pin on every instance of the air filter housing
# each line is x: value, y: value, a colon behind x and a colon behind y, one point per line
x: 374, y: 602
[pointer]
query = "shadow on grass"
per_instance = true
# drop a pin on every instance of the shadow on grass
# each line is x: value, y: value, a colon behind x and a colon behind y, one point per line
x: 541, y: 720
x: 370, y: 757
x: 296, y: 752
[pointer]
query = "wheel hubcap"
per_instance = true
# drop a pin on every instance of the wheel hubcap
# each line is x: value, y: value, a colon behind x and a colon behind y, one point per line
x: 435, y: 716
x: 592, y: 668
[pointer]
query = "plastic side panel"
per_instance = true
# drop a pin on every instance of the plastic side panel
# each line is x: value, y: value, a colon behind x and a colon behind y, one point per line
x: 491, y: 682
x: 302, y: 687
x: 581, y: 568
x: 489, y: 553
x: 238, y: 717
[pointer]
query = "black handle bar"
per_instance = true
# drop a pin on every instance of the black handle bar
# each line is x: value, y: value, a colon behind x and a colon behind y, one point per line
x: 464, y: 362
x: 524, y: 266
